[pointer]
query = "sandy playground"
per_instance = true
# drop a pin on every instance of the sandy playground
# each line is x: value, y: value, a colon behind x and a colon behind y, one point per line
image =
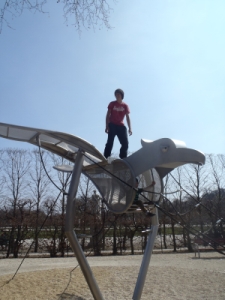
x: 170, y: 276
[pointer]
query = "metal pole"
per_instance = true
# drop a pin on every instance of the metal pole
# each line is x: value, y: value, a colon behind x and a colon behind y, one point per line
x: 146, y: 258
x: 70, y: 215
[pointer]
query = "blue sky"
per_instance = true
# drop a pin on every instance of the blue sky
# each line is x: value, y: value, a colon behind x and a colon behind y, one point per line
x: 168, y: 57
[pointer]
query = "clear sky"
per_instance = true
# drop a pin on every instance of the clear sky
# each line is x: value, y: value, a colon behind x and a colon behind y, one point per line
x: 168, y: 56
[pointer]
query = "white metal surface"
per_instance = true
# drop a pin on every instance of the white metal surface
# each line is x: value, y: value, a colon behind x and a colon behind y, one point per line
x: 63, y: 144
x: 164, y: 155
x: 115, y: 182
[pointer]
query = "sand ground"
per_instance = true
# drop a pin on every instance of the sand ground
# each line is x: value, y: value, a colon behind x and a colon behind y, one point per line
x: 170, y: 276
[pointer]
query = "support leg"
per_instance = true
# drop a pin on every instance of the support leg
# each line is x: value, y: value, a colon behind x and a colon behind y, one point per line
x: 146, y: 258
x: 70, y: 214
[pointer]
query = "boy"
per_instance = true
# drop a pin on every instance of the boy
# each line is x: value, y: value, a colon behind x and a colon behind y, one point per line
x: 117, y: 110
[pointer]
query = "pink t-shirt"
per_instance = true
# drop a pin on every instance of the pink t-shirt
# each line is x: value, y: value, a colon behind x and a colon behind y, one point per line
x: 118, y: 111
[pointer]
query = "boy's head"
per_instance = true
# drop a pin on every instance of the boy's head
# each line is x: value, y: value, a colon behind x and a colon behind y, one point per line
x: 119, y: 91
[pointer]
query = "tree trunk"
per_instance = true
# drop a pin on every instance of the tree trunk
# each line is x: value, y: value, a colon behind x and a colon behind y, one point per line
x: 174, y: 237
x: 164, y: 234
x: 114, y: 239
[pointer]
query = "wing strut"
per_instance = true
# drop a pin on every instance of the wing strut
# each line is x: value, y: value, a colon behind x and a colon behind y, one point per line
x: 72, y: 237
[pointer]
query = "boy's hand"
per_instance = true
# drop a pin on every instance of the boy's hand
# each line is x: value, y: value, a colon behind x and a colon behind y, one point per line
x: 130, y: 132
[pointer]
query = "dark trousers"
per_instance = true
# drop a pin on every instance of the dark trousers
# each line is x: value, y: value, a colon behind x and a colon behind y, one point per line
x: 121, y: 132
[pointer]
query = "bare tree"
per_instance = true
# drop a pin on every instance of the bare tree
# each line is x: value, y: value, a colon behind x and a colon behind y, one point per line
x: 85, y: 14
x: 63, y: 180
x: 97, y: 224
x: 16, y: 167
x: 52, y: 225
x: 39, y: 186
x: 190, y: 181
x: 164, y: 220
x: 195, y: 183
x: 215, y: 196
x: 87, y: 210
x: 2, y: 179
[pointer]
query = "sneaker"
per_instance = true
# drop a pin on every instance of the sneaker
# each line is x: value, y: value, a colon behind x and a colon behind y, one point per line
x: 148, y: 214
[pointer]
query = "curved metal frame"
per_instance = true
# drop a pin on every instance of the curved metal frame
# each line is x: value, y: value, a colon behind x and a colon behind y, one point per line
x: 146, y: 258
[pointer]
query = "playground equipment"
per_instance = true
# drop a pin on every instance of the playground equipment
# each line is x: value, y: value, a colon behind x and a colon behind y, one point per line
x: 115, y: 181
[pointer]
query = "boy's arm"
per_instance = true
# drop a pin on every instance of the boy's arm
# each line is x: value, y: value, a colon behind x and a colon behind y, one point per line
x: 107, y: 121
x: 129, y: 124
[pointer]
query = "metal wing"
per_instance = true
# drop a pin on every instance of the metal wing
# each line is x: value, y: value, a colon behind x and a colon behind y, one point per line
x: 63, y: 144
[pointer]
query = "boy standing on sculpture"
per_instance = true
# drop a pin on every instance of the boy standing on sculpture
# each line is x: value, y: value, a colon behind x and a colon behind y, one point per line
x: 117, y: 110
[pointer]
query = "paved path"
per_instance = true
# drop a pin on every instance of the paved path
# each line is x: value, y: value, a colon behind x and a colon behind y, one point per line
x: 186, y: 260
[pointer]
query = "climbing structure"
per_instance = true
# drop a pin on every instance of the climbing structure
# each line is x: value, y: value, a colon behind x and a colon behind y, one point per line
x: 115, y: 182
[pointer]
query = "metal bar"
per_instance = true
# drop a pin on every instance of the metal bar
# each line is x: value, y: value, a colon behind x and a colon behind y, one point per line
x: 146, y: 258
x: 70, y: 215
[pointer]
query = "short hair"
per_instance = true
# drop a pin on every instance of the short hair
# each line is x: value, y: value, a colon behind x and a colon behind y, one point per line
x: 121, y: 92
